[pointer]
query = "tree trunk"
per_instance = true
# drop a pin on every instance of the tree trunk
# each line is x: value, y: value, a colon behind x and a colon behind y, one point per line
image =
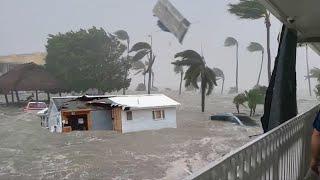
x: 222, y: 86
x: 17, y: 96
x: 237, y: 69
x: 238, y: 108
x: 60, y: 94
x: 126, y: 71
x: 12, y: 97
x: 6, y: 98
x: 180, y: 86
x: 262, y: 54
x: 203, y: 92
x: 149, y: 82
x: 308, y: 71
x: 268, y: 25
x: 37, y: 98
x: 152, y: 79
x: 48, y: 95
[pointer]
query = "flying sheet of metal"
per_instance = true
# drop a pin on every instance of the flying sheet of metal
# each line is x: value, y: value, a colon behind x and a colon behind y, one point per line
x: 170, y: 19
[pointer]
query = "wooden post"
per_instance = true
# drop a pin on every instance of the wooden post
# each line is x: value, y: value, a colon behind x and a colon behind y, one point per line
x: 6, y: 97
x: 12, y: 97
x: 60, y: 94
x: 37, y: 98
x: 17, y: 96
x: 48, y: 95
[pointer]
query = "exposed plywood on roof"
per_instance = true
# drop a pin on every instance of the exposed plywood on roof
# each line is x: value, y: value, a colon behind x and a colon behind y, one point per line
x: 37, y: 58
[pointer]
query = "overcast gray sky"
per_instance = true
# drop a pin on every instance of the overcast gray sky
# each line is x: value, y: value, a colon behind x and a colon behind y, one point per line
x: 25, y: 26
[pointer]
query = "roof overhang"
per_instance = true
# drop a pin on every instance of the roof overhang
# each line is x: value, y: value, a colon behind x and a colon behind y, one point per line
x: 302, y: 15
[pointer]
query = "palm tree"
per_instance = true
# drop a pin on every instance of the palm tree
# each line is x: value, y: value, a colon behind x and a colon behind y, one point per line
x: 256, y: 47
x: 143, y: 49
x: 197, y: 68
x: 252, y: 9
x: 179, y: 70
x: 220, y: 75
x: 230, y: 41
x: 315, y: 73
x: 123, y: 35
x: 254, y: 97
x: 240, y: 99
x: 141, y: 68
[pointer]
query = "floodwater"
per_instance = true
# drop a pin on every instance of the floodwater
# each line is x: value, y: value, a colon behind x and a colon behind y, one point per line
x: 28, y: 151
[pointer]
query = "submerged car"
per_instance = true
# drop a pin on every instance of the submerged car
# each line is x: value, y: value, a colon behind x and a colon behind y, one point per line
x: 33, y: 107
x: 240, y: 119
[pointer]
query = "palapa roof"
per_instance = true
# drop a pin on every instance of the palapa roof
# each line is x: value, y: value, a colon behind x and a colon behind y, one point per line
x: 29, y: 77
x: 38, y: 58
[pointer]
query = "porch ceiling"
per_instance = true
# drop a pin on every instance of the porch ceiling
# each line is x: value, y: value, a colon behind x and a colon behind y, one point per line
x: 302, y: 15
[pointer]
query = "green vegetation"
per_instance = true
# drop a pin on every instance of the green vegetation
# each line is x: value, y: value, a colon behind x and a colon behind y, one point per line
x: 197, y: 68
x: 315, y: 73
x: 87, y: 59
x: 220, y: 75
x: 253, y: 10
x: 253, y: 97
x: 127, y: 63
x: 143, y: 49
x: 230, y: 41
x: 240, y: 99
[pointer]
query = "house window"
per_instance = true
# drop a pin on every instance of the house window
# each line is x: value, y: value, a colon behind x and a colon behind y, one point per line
x: 129, y: 115
x: 158, y: 114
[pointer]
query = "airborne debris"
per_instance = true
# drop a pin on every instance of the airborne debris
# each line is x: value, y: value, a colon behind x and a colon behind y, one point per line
x: 171, y: 20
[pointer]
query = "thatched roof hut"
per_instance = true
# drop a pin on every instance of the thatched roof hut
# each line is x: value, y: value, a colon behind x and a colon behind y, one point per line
x: 29, y: 77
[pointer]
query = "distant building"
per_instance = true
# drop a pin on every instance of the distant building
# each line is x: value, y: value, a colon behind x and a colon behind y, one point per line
x: 118, y: 113
x: 10, y: 61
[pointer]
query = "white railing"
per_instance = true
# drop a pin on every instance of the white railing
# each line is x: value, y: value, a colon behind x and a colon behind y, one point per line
x: 281, y: 154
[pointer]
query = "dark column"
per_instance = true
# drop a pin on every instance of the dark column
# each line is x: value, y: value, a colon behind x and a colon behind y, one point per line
x: 17, y: 96
x: 37, y: 98
x: 60, y: 94
x: 281, y: 100
x: 48, y: 95
x: 6, y: 98
x: 12, y: 97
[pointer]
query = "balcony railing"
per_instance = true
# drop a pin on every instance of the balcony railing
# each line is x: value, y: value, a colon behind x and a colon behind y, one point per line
x: 281, y: 154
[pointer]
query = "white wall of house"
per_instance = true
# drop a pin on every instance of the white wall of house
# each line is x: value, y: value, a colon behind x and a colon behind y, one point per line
x: 142, y: 119
x: 54, y: 119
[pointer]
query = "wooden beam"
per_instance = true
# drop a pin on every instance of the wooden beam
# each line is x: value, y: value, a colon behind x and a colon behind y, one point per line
x: 37, y: 98
x: 17, y: 95
x: 309, y: 40
x: 6, y: 98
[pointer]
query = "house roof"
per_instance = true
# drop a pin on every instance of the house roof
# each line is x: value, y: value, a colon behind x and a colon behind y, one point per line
x: 125, y: 101
x: 37, y: 58
x: 28, y: 77
x: 301, y: 15
x: 144, y: 101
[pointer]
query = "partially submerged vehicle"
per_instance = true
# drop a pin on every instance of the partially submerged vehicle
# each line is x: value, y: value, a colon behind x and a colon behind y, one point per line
x: 34, y: 107
x: 240, y: 119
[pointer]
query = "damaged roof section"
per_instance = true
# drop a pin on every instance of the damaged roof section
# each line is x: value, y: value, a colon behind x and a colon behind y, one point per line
x: 125, y: 102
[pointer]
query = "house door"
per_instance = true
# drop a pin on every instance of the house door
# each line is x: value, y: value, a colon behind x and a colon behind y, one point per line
x: 78, y: 122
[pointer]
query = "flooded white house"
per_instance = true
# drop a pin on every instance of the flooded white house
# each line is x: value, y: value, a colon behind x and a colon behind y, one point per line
x: 123, y: 114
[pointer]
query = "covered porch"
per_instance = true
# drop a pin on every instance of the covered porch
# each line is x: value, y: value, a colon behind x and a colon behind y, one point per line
x: 284, y: 150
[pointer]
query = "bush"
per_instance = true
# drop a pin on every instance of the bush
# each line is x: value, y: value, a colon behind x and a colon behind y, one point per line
x: 141, y: 87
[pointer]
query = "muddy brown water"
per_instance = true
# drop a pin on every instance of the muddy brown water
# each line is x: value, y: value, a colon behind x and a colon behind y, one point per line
x: 28, y: 151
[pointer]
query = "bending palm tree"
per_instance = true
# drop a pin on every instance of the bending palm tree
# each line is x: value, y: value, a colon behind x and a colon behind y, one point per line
x: 252, y: 9
x: 143, y: 49
x: 141, y: 68
x: 197, y: 68
x: 220, y: 75
x: 256, y: 47
x: 230, y: 41
x: 179, y: 70
x: 123, y: 35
